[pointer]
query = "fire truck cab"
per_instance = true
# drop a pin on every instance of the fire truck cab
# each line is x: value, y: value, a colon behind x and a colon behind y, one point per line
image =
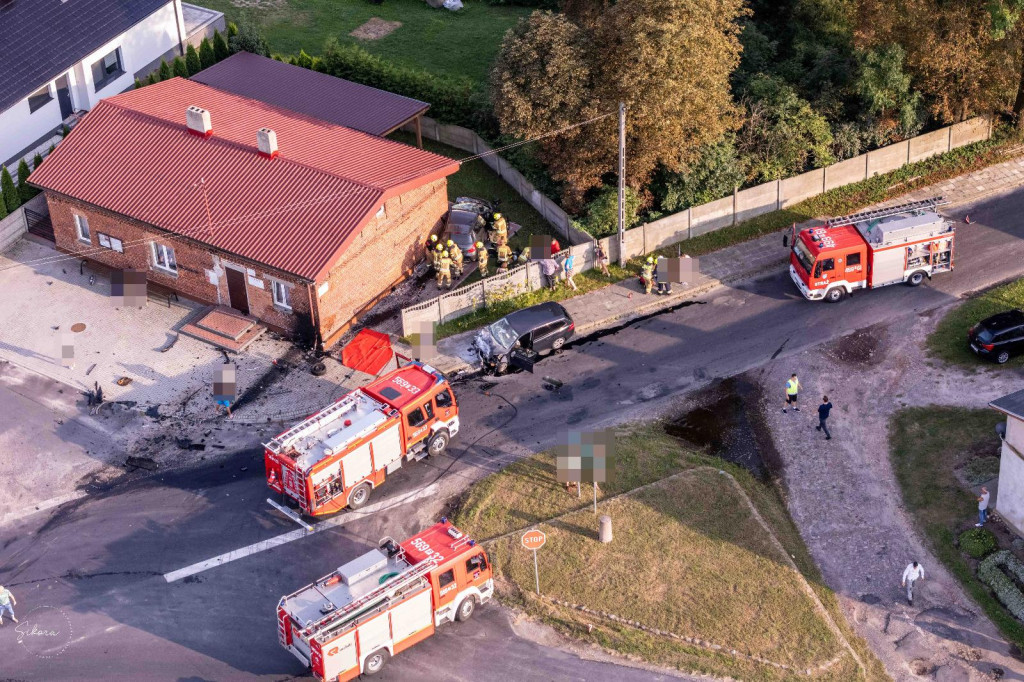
x: 901, y: 244
x: 336, y: 457
x: 351, y: 621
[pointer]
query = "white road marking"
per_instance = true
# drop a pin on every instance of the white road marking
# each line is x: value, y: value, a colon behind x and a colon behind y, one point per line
x: 294, y: 535
x: 41, y: 507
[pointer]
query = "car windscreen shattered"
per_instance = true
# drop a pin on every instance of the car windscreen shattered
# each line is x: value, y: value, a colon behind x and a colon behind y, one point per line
x: 503, y: 333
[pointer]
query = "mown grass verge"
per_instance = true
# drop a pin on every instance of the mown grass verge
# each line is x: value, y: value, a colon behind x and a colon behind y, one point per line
x: 688, y: 558
x: 926, y: 445
x: 948, y: 342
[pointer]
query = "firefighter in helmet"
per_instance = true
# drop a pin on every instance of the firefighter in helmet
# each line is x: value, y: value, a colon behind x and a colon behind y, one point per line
x: 481, y: 259
x: 499, y: 229
x: 444, y: 271
x: 504, y: 256
x: 647, y: 274
x: 456, y: 255
x: 438, y: 250
x: 430, y: 245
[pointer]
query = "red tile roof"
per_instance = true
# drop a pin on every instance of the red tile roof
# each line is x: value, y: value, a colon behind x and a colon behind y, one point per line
x: 331, y: 99
x: 133, y: 154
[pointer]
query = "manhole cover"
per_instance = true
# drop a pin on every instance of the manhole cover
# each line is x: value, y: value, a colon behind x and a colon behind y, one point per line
x: 78, y: 327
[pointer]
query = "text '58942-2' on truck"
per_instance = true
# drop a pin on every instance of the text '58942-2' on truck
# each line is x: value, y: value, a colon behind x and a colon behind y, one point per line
x: 336, y: 457
x: 901, y: 244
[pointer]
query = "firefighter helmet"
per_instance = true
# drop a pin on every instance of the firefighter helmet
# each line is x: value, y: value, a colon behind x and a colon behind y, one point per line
x: 445, y: 254
x: 450, y: 244
x: 479, y: 245
x: 497, y: 216
x: 433, y: 238
x: 439, y: 248
x: 650, y: 260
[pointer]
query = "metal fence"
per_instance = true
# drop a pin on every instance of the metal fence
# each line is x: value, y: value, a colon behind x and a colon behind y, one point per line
x: 693, y: 222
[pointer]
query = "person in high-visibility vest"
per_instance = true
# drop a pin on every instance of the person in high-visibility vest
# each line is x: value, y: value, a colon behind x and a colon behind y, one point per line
x: 504, y: 256
x: 444, y: 271
x: 792, y: 389
x: 430, y: 246
x: 481, y: 259
x: 647, y: 274
x: 456, y: 255
x: 499, y: 230
x: 438, y: 250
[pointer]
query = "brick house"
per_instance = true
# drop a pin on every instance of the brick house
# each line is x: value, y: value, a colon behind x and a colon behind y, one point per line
x: 293, y: 220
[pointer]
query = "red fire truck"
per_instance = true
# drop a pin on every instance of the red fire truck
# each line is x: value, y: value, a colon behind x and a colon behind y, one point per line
x: 353, y: 620
x: 336, y: 457
x: 872, y: 249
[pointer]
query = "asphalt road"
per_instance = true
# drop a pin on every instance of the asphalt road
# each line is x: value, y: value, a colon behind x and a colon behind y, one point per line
x: 97, y: 564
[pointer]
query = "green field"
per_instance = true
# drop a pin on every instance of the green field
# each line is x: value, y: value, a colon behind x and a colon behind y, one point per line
x: 949, y: 340
x: 689, y: 557
x: 460, y: 43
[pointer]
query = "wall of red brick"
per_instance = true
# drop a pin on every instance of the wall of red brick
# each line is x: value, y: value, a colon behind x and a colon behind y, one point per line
x: 198, y: 266
x: 385, y: 252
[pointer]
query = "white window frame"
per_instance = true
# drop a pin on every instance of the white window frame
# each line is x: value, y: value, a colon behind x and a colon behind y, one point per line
x: 84, y: 235
x: 108, y: 78
x: 38, y: 93
x: 284, y: 287
x: 161, y: 250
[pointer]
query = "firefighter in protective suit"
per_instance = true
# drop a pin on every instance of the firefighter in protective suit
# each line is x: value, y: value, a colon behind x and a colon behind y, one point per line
x: 504, y: 256
x: 455, y: 253
x: 499, y: 230
x: 444, y: 271
x: 430, y: 246
x: 481, y: 259
x: 438, y: 250
x: 647, y: 274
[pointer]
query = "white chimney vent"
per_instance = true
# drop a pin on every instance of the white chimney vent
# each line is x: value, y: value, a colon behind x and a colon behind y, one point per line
x: 198, y: 121
x: 266, y: 140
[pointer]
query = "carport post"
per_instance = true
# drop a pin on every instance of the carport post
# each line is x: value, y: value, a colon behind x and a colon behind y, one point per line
x: 419, y: 132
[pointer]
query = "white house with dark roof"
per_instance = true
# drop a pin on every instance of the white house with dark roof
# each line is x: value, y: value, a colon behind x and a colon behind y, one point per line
x: 1010, y: 495
x: 60, y: 57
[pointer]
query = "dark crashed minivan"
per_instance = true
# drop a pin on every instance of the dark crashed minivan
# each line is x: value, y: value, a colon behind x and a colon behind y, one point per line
x: 998, y: 338
x: 519, y: 338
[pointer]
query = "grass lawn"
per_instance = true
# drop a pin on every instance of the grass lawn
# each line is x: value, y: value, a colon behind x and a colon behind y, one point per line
x: 460, y: 43
x: 688, y: 558
x: 927, y: 444
x: 949, y: 340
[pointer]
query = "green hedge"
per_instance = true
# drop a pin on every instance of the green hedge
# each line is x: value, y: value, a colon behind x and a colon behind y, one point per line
x: 978, y: 542
x: 1006, y: 589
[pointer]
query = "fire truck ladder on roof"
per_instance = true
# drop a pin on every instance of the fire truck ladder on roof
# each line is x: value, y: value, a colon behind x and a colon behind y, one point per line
x: 281, y: 442
x: 372, y: 599
x: 878, y: 213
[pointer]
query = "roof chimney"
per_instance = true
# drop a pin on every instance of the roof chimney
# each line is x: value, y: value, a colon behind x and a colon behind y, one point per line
x: 198, y: 121
x: 266, y: 140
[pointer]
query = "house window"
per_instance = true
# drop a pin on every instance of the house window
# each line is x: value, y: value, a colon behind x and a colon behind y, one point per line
x: 163, y: 258
x: 107, y: 69
x: 282, y: 294
x: 39, y: 98
x: 82, y: 228
x: 381, y: 213
x: 108, y: 242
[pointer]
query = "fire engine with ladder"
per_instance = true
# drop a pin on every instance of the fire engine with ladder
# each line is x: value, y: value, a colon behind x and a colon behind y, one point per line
x: 336, y: 457
x: 871, y: 249
x: 352, y: 621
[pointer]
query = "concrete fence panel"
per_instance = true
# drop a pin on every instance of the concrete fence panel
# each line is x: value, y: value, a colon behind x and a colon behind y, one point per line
x: 846, y: 172
x: 929, y: 144
x: 504, y: 285
x: 457, y: 136
x: 888, y: 158
x: 966, y: 132
x: 711, y: 216
x: 427, y: 312
x: 756, y: 201
x: 804, y: 186
x: 634, y: 242
x: 461, y: 301
x: 667, y: 230
x: 12, y: 227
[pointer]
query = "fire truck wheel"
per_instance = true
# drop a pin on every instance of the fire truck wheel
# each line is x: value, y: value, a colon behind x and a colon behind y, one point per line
x: 375, y: 662
x: 359, y: 496
x: 916, y: 279
x: 466, y: 609
x: 834, y: 295
x: 437, y: 443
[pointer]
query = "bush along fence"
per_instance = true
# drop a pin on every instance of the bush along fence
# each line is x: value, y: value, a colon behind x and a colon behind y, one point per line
x: 466, y: 140
x: 742, y: 205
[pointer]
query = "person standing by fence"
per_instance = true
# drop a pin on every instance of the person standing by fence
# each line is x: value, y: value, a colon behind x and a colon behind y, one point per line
x: 567, y: 267
x: 601, y: 259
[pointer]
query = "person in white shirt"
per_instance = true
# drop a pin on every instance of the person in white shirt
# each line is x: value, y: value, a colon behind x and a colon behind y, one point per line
x: 982, y: 507
x: 912, y: 573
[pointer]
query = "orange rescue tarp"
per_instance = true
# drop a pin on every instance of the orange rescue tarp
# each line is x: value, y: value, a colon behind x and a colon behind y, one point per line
x: 368, y: 352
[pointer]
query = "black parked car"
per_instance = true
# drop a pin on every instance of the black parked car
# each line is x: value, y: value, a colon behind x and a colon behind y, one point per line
x: 1000, y: 337
x: 519, y: 338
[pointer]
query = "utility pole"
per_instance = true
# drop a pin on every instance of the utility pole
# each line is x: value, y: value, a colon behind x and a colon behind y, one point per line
x: 622, y: 184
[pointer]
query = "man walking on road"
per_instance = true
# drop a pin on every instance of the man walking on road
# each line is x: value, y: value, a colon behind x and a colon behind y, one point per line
x: 7, y: 603
x: 823, y: 411
x: 982, y: 507
x: 792, y: 389
x: 911, y: 574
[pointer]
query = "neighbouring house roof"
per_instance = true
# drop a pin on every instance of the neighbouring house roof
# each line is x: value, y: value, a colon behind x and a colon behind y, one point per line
x: 1012, y: 404
x: 336, y: 100
x: 133, y: 154
x: 39, y: 39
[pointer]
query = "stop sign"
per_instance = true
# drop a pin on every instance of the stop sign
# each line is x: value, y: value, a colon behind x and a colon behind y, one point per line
x: 534, y: 539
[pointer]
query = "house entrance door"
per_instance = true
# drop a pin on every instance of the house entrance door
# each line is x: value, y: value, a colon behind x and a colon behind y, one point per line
x: 64, y: 97
x: 236, y: 290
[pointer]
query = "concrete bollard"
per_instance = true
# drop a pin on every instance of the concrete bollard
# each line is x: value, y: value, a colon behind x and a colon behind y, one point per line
x: 605, y: 534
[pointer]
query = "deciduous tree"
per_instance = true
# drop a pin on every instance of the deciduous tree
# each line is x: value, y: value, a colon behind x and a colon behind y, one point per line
x: 668, y: 60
